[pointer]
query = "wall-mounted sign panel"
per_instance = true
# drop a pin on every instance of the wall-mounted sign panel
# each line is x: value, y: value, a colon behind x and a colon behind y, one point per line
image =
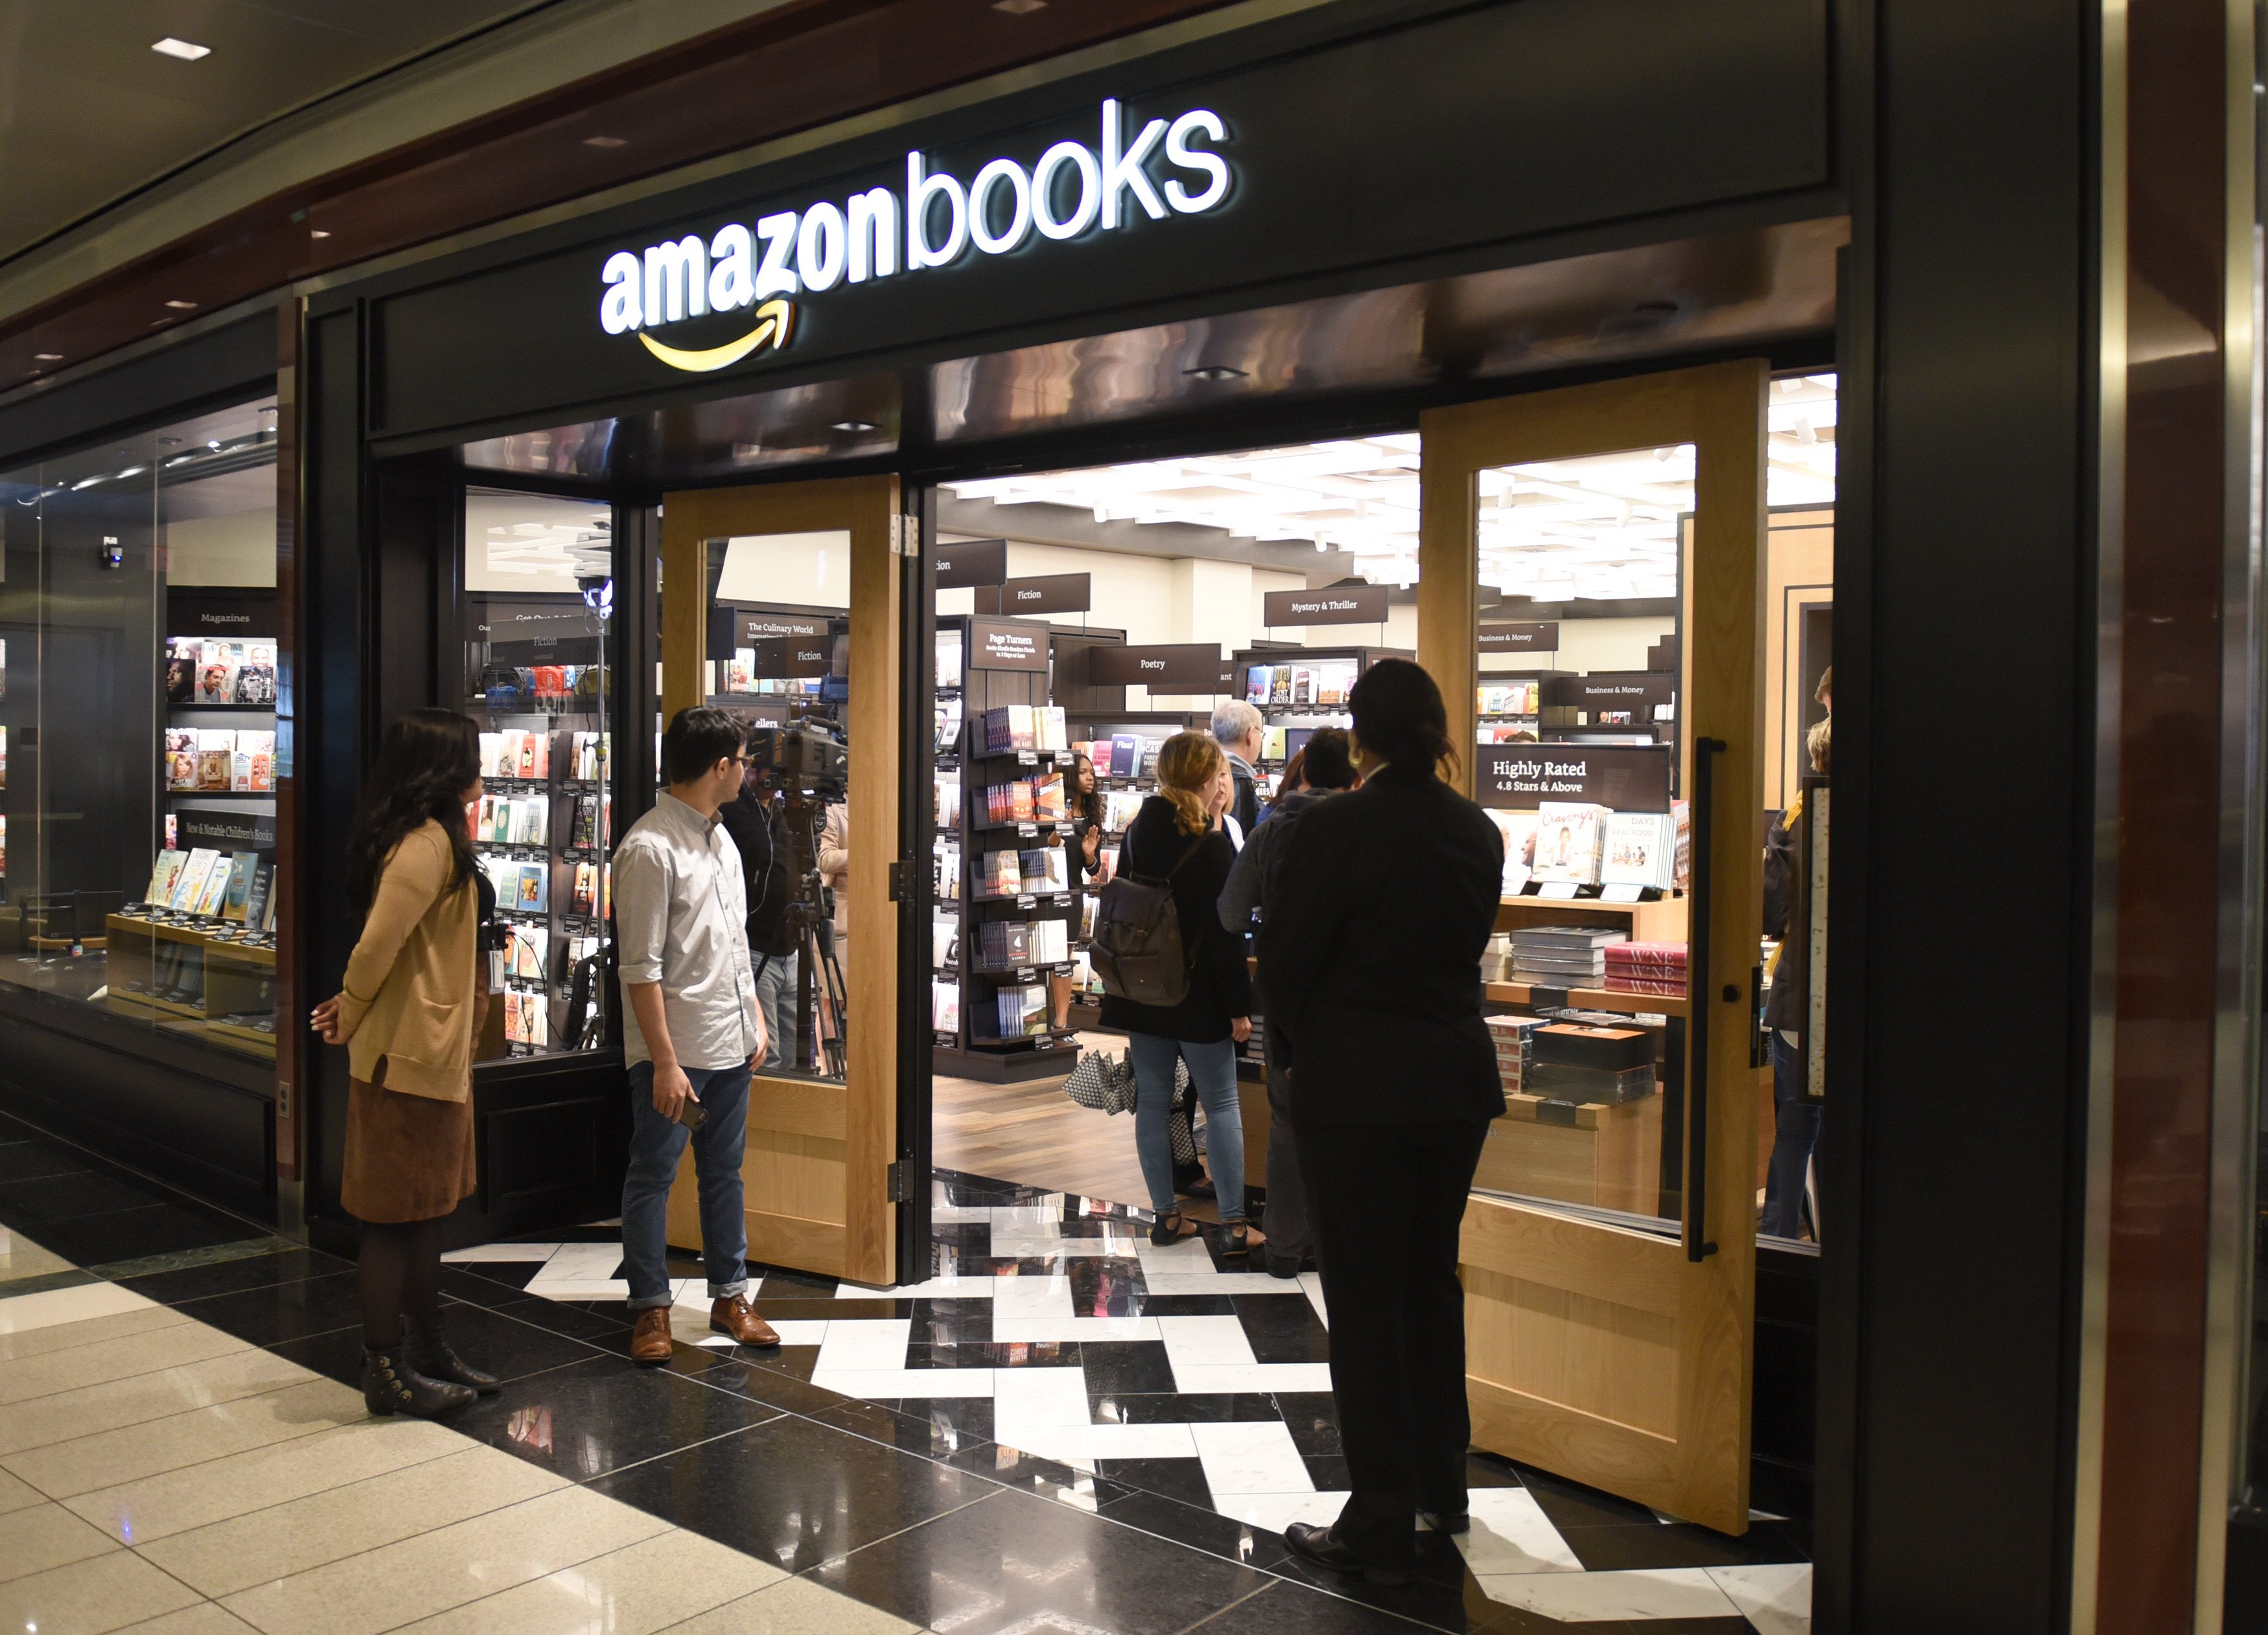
x: 226, y: 616
x: 1624, y: 777
x: 1520, y: 638
x: 787, y: 657
x: 1183, y: 667
x: 1000, y: 644
x: 1628, y: 689
x: 1341, y: 604
x: 225, y: 831
x: 1054, y: 592
x: 967, y: 562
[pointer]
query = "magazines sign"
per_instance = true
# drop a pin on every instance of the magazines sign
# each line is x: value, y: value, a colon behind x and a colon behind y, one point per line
x: 1623, y: 778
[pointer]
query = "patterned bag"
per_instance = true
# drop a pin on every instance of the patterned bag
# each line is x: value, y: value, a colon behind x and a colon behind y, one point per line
x: 1101, y: 1083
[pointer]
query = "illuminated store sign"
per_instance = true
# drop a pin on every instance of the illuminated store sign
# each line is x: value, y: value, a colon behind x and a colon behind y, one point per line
x: 1072, y: 190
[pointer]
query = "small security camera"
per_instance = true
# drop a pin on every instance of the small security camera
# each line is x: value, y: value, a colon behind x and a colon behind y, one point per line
x: 113, y: 554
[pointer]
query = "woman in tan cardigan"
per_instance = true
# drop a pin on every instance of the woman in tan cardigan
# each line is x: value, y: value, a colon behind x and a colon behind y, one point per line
x: 410, y: 1011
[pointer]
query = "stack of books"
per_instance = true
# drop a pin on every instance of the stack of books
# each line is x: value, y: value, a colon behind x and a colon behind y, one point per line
x: 1591, y: 1062
x: 1566, y: 956
x: 1022, y: 1010
x: 1646, y: 967
x: 1025, y: 726
x: 1514, y: 1038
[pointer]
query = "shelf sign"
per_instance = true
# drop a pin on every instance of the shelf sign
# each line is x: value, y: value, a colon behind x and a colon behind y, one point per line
x: 1341, y: 604
x: 1053, y: 593
x: 750, y: 628
x: 788, y: 656
x: 1136, y: 170
x: 998, y: 644
x: 1623, y: 778
x: 967, y: 562
x: 226, y: 831
x: 1633, y: 689
x: 1520, y: 638
x: 1182, y: 667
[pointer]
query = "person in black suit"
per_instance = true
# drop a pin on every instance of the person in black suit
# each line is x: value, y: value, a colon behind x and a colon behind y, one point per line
x: 1385, y: 900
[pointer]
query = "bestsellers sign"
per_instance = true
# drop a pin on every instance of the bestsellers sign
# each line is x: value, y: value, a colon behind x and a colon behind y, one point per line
x: 1164, y: 167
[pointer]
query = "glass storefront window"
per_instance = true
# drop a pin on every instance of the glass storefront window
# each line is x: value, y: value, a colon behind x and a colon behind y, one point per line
x: 137, y: 609
x: 539, y: 603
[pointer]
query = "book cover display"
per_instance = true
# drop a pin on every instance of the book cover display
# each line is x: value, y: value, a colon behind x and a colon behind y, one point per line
x: 1567, y: 836
x: 542, y: 829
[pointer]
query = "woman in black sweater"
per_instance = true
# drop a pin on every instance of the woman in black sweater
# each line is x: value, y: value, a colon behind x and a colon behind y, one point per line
x: 1380, y: 907
x: 1175, y: 838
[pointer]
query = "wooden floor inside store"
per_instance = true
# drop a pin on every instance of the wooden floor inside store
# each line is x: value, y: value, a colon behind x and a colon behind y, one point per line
x: 1036, y: 1134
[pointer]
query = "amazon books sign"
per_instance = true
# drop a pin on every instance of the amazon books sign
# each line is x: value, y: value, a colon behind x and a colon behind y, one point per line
x: 1134, y: 170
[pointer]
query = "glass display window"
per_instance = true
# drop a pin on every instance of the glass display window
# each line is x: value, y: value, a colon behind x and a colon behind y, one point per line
x: 138, y: 679
x: 539, y: 605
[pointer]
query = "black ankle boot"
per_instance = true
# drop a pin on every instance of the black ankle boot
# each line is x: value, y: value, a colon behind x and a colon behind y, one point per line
x: 431, y: 1353
x: 390, y: 1385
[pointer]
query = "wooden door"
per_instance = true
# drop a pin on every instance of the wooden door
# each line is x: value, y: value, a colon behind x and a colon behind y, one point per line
x: 1608, y: 1346
x: 819, y: 1141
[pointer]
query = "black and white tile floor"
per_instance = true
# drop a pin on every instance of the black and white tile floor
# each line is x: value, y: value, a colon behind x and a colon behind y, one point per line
x: 1054, y: 1348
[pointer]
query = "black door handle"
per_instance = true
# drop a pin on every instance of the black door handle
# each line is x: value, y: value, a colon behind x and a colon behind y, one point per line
x: 1698, y: 1001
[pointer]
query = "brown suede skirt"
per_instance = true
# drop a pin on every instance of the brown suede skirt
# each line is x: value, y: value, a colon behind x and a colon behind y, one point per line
x: 409, y: 1157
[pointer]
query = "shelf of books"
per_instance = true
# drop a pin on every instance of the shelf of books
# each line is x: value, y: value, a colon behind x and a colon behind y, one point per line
x: 198, y: 953
x: 1297, y: 690
x: 543, y: 829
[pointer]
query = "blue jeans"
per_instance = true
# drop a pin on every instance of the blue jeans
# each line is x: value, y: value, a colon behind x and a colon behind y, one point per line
x: 657, y: 1144
x: 1796, y: 1129
x: 1212, y: 1074
x: 775, y: 992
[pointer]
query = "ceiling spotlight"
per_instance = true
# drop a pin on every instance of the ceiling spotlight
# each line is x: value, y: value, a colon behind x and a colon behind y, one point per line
x: 182, y: 306
x: 181, y: 49
x: 1214, y: 371
x: 1020, y: 8
x: 48, y: 357
x: 855, y: 425
x: 606, y: 141
x: 317, y: 232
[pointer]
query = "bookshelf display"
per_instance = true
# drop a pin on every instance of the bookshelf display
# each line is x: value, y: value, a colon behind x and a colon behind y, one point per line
x: 1297, y: 689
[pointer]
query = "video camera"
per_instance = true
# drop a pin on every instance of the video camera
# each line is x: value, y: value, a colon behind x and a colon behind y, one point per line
x: 798, y: 758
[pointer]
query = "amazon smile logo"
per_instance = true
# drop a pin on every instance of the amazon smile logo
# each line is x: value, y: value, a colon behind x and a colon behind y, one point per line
x: 774, y: 322
x: 1072, y: 191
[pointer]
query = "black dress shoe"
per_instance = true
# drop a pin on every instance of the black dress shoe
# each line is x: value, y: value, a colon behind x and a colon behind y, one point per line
x: 1436, y: 1521
x: 431, y: 1355
x: 1285, y: 1266
x: 1322, y: 1547
x: 390, y: 1385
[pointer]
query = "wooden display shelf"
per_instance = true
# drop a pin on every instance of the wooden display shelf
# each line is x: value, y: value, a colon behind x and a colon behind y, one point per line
x: 1620, y: 1000
x: 1608, y: 1157
x: 997, y: 1067
x: 232, y: 979
x: 1665, y: 921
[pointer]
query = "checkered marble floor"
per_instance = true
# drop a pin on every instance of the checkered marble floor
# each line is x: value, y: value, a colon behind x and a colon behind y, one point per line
x: 1052, y: 1325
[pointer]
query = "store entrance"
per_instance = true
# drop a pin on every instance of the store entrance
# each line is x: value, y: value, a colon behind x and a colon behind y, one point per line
x: 785, y: 605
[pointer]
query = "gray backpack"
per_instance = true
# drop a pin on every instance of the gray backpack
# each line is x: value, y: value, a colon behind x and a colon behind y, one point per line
x: 1138, y: 952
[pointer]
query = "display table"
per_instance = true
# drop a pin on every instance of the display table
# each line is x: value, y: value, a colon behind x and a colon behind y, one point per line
x: 1608, y: 1157
x: 1644, y: 922
x: 195, y: 977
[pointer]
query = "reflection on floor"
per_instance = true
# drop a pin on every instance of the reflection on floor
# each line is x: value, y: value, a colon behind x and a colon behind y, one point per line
x: 1063, y: 1430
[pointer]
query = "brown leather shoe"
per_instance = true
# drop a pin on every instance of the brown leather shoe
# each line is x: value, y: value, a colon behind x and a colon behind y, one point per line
x: 650, y: 1341
x: 736, y: 1317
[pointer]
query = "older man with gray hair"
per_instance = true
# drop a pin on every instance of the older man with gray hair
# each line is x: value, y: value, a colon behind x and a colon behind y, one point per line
x: 1236, y: 728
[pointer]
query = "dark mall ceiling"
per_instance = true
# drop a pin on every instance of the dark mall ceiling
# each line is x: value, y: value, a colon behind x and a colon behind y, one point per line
x: 91, y: 115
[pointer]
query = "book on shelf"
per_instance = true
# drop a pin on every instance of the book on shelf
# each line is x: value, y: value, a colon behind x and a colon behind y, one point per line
x: 1044, y: 868
x: 189, y: 890
x: 255, y: 681
x: 945, y: 1004
x: 532, y: 890
x: 1518, y: 829
x: 260, y: 900
x: 1639, y: 848
x: 584, y: 894
x: 165, y: 875
x: 1050, y: 942
x: 217, y: 667
x: 946, y: 801
x: 1567, y: 841
x: 948, y: 726
x: 1562, y: 1082
x: 944, y: 940
x: 948, y: 658
x: 182, y: 654
x: 1021, y: 1009
x: 1586, y: 1044
x: 1087, y: 907
x: 215, y: 759
x: 1126, y: 755
x: 180, y: 757
x: 212, y: 892
x: 947, y: 854
x: 1003, y: 875
x: 237, y: 899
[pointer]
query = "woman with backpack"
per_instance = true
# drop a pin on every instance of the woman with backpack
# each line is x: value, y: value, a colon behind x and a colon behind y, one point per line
x: 1196, y: 1013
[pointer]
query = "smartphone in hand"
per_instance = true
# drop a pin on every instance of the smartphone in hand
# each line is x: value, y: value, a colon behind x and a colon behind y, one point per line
x: 691, y: 1114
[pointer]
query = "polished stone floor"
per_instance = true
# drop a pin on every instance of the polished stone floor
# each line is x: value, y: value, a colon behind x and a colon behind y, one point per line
x: 1062, y: 1430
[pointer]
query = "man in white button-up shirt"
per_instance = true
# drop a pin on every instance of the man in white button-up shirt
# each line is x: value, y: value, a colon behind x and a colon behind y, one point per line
x: 693, y: 1032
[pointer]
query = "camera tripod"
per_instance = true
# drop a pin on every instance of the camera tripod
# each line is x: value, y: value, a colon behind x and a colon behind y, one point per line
x: 811, y: 914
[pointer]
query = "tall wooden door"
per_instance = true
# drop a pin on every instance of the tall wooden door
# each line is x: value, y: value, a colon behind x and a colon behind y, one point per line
x: 785, y: 605
x: 1610, y: 1270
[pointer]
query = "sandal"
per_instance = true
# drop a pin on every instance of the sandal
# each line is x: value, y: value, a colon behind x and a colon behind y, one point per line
x: 1243, y: 1236
x: 1172, y: 1229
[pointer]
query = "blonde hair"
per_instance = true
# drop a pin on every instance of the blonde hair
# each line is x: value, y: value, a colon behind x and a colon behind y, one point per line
x: 1186, y: 764
x: 1820, y: 741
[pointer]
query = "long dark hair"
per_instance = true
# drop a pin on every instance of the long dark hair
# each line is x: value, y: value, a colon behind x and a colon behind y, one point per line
x: 425, y: 763
x: 1399, y: 717
x: 1083, y: 804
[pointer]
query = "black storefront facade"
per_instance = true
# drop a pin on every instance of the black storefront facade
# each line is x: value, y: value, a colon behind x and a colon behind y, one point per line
x: 1408, y: 190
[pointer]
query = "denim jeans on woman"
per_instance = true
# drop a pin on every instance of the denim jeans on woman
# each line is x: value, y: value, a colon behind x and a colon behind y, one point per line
x: 1212, y: 1074
x: 657, y: 1144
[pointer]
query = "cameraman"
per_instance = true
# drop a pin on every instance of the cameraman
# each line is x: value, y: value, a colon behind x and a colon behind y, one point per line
x: 753, y: 823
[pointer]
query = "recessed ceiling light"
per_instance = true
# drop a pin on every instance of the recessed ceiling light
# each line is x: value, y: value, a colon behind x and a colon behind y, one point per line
x: 182, y: 306
x: 48, y: 357
x: 854, y: 425
x: 606, y: 141
x: 184, y: 49
x: 1018, y: 7
x: 317, y: 232
x: 1214, y: 371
